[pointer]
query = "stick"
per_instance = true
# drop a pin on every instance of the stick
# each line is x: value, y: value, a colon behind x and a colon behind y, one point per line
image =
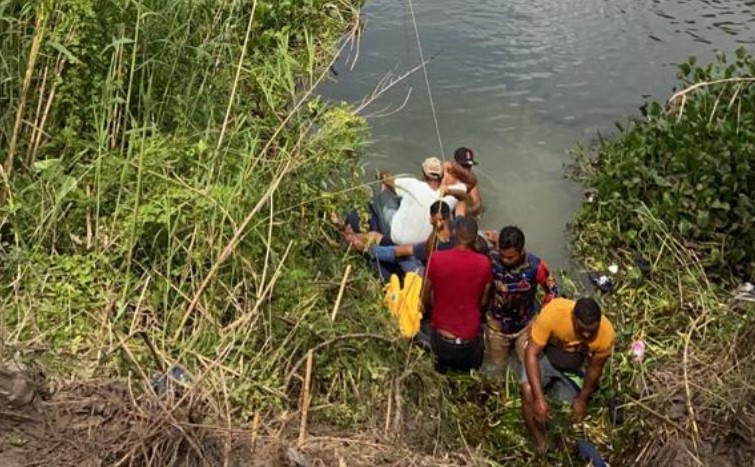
x: 230, y: 247
x: 388, y: 411
x: 158, y: 361
x: 337, y: 305
x: 236, y: 78
x: 255, y: 429
x: 710, y: 83
x: 305, y: 400
x: 30, y: 65
x: 362, y: 335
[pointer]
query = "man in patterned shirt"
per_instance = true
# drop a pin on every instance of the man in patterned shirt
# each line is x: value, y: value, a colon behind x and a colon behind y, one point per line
x: 516, y: 276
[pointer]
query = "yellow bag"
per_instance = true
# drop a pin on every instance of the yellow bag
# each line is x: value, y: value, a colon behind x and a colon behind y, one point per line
x: 405, y: 304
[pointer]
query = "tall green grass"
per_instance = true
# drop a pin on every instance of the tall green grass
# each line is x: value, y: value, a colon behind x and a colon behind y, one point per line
x: 171, y: 175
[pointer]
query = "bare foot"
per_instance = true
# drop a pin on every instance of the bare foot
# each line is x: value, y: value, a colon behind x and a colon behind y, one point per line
x: 355, y: 241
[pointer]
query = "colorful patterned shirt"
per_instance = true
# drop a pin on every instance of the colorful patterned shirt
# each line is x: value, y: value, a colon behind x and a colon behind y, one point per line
x: 514, y: 301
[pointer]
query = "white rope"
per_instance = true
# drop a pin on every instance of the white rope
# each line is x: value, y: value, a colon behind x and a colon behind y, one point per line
x: 427, y: 80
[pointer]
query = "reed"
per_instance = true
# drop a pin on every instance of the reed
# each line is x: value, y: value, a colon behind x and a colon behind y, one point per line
x: 170, y: 207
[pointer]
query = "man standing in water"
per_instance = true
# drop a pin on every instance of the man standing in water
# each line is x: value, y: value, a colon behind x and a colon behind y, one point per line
x: 516, y: 277
x: 460, y: 170
x: 565, y: 337
x: 456, y: 289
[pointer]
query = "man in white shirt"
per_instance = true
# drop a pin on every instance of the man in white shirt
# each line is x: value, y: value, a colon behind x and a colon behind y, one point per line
x: 409, y: 222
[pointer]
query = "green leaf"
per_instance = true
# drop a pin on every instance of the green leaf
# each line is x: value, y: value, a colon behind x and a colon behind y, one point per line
x: 63, y: 50
x: 46, y: 165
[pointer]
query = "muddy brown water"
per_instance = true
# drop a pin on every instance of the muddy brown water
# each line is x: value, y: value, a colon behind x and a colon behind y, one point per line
x: 521, y: 82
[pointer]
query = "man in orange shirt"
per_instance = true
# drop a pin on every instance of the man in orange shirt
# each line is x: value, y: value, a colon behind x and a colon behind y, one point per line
x: 566, y: 337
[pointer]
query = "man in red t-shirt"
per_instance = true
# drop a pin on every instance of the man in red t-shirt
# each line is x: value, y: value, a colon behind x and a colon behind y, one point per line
x: 457, y: 283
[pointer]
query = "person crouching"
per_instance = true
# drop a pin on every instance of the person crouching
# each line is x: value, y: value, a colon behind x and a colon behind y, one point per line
x: 456, y: 289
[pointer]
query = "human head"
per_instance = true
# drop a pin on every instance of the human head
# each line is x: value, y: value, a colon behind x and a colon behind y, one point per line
x: 464, y: 157
x: 586, y: 319
x: 432, y: 169
x: 440, y: 210
x: 511, y: 245
x: 465, y: 231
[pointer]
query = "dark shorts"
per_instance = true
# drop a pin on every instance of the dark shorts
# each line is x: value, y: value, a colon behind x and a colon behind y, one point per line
x: 456, y: 355
x: 556, y: 383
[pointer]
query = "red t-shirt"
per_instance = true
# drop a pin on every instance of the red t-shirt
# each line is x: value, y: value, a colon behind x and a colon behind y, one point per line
x: 458, y: 279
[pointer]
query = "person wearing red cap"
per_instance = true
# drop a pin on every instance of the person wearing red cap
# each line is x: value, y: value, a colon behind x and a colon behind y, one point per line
x: 460, y: 170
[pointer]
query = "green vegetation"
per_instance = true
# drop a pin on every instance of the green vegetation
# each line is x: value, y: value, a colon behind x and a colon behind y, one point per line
x: 675, y: 189
x: 168, y: 169
x: 691, y: 164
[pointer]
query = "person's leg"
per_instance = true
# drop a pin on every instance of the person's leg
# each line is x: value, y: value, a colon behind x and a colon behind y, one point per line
x: 520, y: 343
x: 383, y: 206
x: 410, y: 264
x: 496, y: 349
x: 440, y: 351
x: 464, y: 357
x: 352, y: 220
x: 478, y: 350
x: 565, y: 388
x: 383, y: 254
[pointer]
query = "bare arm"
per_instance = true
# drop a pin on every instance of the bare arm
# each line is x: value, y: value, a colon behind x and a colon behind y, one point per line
x: 474, y: 206
x: 387, y: 179
x: 491, y: 236
x: 465, y: 177
x: 532, y: 367
x: 402, y: 251
x: 592, y: 378
x: 485, y: 297
x: 595, y: 367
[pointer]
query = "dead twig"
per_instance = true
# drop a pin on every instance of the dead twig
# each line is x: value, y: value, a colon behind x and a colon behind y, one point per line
x: 329, y: 342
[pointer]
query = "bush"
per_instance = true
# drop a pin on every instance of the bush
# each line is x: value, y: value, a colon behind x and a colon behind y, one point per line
x: 173, y: 185
x: 691, y: 163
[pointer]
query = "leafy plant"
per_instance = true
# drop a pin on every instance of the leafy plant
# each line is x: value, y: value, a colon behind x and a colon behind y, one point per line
x: 690, y: 162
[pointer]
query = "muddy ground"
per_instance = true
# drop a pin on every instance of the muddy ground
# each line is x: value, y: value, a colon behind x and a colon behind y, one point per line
x: 106, y: 424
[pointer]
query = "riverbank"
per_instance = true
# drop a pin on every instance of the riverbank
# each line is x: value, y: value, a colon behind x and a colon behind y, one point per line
x: 168, y: 174
x: 166, y: 212
x: 670, y: 205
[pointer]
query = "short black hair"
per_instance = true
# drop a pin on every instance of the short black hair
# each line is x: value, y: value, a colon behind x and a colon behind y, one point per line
x: 511, y: 236
x: 465, y: 230
x: 442, y: 208
x: 587, y: 312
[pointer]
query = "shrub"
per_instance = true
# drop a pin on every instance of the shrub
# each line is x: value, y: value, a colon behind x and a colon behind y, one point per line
x: 691, y: 163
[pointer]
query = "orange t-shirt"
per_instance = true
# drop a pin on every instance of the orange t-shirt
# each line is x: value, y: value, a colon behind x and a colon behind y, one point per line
x: 554, y: 326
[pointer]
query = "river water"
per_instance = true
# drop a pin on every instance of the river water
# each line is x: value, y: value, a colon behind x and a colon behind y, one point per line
x: 521, y: 82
